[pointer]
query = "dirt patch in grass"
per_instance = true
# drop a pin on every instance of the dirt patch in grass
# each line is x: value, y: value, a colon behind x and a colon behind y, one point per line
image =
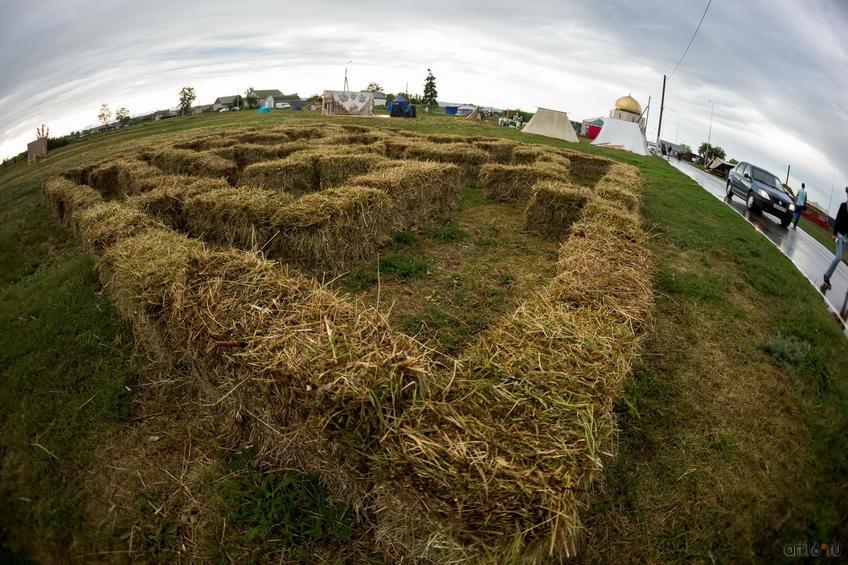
x: 448, y: 282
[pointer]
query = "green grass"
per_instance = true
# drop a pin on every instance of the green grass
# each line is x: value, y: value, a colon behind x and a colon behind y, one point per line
x: 403, y: 266
x: 734, y: 427
x: 279, y: 512
x: 823, y: 236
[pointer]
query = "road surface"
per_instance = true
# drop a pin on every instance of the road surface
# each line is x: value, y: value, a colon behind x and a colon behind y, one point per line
x: 808, y: 255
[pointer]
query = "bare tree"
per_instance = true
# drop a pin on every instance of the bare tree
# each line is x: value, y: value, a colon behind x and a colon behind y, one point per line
x: 105, y: 114
x: 43, y: 132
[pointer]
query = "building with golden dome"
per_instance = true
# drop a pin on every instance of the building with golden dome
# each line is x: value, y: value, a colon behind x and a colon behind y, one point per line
x: 628, y: 109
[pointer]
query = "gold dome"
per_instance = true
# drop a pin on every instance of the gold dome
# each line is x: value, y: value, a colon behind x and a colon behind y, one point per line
x: 628, y: 104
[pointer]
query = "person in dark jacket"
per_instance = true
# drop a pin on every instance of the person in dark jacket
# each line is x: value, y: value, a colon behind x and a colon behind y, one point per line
x: 840, y: 236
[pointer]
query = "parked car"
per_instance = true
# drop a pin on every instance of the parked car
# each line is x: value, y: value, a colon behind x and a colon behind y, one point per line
x: 235, y: 109
x: 224, y: 109
x: 762, y: 191
x: 282, y: 105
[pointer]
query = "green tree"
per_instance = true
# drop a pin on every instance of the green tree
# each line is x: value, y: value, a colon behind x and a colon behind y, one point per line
x: 123, y: 116
x: 430, y: 92
x: 250, y: 97
x: 708, y: 152
x: 374, y: 87
x: 187, y: 97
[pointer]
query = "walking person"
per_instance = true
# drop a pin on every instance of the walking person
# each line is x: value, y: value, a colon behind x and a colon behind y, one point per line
x: 800, y: 204
x: 840, y: 236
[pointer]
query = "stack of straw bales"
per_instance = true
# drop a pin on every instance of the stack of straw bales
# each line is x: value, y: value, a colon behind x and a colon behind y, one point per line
x: 514, y: 183
x: 421, y: 190
x: 188, y: 162
x: 468, y: 158
x: 491, y: 458
x: 554, y: 207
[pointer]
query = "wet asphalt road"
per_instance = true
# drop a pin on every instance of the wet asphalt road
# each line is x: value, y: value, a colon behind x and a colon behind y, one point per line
x: 808, y: 255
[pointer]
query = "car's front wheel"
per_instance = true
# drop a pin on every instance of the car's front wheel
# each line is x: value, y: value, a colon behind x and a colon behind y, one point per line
x: 729, y: 191
x: 785, y: 222
x: 751, y: 203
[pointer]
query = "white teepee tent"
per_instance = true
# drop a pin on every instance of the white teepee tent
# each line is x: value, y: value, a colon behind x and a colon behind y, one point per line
x: 551, y: 123
x: 623, y: 135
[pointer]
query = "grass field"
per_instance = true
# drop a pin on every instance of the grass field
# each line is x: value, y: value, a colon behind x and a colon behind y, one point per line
x: 823, y: 236
x: 733, y: 430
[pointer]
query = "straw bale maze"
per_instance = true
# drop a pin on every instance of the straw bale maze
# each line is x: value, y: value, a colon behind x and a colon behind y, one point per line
x: 436, y: 326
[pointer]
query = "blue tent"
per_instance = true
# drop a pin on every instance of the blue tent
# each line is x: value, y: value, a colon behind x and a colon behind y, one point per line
x: 400, y: 101
x: 263, y: 110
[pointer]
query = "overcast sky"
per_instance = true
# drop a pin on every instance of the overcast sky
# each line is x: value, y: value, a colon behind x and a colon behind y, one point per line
x: 775, y: 70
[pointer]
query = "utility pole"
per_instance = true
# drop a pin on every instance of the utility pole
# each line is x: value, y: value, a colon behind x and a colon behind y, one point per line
x: 710, y: 134
x: 788, y: 168
x: 662, y: 106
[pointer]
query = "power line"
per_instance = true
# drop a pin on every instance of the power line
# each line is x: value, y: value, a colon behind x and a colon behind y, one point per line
x: 704, y: 15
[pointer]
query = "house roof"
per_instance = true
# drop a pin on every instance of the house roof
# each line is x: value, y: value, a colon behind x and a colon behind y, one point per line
x: 376, y: 94
x: 267, y: 93
x: 226, y: 99
x: 287, y: 98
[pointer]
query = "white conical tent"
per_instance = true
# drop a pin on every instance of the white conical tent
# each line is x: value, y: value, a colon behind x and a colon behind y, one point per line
x: 551, y: 123
x: 623, y: 135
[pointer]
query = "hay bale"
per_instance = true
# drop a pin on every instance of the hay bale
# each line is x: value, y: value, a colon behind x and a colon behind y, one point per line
x: 265, y: 138
x: 306, y: 132
x: 295, y: 175
x: 328, y: 373
x: 447, y: 138
x: 245, y: 154
x: 166, y: 197
x: 554, y: 207
x: 396, y: 146
x: 620, y: 185
x: 613, y: 217
x: 65, y: 198
x: 79, y: 175
x: 468, y: 158
x: 103, y: 224
x: 526, y: 154
x: 335, y: 170
x: 310, y: 231
x: 142, y: 270
x: 504, y: 462
x: 135, y: 176
x: 499, y: 150
x: 104, y: 179
x: 187, y: 162
x: 588, y: 170
x: 351, y: 128
x: 207, y: 142
x: 513, y: 183
x: 421, y: 191
x: 597, y: 268
x: 243, y: 217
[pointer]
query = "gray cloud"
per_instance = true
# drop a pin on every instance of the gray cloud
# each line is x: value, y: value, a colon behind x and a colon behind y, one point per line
x: 772, y: 68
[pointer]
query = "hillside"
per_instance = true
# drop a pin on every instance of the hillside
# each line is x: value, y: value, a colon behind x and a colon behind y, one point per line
x: 731, y: 427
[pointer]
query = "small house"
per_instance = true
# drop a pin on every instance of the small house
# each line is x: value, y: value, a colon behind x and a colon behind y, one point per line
x: 226, y: 102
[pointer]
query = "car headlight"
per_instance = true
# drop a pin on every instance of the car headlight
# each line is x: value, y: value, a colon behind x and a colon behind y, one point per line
x: 764, y: 194
x: 792, y: 207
